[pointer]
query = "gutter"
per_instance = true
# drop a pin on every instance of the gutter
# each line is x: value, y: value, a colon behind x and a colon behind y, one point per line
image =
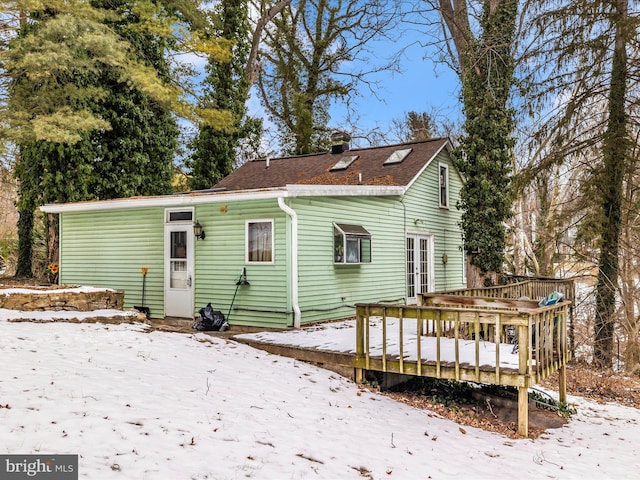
x: 214, y: 196
x: 294, y: 260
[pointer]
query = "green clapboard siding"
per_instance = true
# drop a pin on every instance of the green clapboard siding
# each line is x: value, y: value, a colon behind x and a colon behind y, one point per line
x: 423, y: 204
x: 108, y: 249
x: 329, y: 291
x: 220, y: 258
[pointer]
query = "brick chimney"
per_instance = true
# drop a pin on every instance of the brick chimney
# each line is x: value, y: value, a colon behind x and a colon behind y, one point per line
x: 340, y: 142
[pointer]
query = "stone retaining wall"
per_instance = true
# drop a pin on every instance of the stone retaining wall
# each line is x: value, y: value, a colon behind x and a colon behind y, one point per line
x: 61, y: 299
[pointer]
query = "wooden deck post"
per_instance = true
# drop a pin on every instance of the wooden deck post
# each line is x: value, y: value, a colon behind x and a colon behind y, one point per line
x: 524, y: 339
x: 523, y: 411
x: 358, y: 374
x: 562, y: 382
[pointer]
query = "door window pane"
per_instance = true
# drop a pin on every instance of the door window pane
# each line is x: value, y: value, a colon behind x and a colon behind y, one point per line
x: 178, y: 275
x: 179, y: 244
x: 411, y: 285
x: 424, y: 265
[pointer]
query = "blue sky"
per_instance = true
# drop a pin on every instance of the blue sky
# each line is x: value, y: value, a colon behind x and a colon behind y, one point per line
x: 421, y: 86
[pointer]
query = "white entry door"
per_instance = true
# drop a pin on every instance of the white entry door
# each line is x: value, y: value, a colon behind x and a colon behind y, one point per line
x: 178, y: 277
x: 419, y: 265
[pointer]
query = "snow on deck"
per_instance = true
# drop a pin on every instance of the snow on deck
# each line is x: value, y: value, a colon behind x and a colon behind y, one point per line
x: 341, y: 337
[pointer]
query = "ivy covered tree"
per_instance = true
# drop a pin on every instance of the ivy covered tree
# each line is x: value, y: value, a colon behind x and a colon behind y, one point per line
x: 226, y: 88
x: 616, y: 150
x: 585, y: 66
x: 484, y: 157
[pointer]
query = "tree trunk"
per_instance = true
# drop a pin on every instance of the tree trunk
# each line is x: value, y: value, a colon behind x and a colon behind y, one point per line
x: 615, y: 154
x: 476, y: 278
x: 25, y: 244
x: 53, y: 240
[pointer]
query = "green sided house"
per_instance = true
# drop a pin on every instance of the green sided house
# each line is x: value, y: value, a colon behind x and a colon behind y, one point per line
x: 280, y: 242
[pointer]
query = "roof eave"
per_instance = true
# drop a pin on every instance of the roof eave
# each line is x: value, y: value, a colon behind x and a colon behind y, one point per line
x: 189, y: 199
x: 445, y: 145
x: 298, y: 190
x: 177, y: 200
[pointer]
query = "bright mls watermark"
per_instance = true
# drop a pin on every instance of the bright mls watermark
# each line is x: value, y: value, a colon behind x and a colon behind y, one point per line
x: 38, y: 467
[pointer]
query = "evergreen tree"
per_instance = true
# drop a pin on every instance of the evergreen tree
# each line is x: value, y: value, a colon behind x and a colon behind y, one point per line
x: 135, y: 156
x: 116, y: 77
x: 53, y: 63
x: 215, y: 149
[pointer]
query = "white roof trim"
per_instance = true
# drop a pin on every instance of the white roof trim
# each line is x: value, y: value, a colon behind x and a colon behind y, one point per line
x: 447, y: 145
x: 343, y: 190
x: 177, y: 200
x: 197, y: 198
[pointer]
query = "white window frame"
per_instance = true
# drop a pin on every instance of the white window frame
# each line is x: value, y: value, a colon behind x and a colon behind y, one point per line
x: 364, y: 234
x: 169, y: 211
x: 443, y: 186
x: 247, y: 237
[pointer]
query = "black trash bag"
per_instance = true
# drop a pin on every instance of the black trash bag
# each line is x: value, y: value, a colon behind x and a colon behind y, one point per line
x: 210, y: 320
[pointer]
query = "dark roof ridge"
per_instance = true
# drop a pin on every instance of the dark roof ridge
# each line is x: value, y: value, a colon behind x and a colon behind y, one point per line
x: 346, y: 152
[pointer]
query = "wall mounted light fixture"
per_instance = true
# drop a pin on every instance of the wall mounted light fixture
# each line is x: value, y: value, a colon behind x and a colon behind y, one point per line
x: 198, y: 230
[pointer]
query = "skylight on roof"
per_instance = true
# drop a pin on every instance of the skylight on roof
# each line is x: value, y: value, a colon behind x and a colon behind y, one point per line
x: 398, y: 156
x: 344, y: 162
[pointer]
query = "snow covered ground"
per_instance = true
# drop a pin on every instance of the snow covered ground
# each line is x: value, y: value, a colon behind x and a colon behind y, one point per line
x: 155, y: 405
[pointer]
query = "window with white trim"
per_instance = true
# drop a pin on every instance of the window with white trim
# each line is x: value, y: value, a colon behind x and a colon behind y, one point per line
x: 351, y: 244
x: 443, y: 175
x: 259, y: 241
x: 176, y: 216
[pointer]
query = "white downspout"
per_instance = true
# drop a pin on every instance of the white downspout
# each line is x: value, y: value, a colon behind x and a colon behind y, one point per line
x: 294, y: 260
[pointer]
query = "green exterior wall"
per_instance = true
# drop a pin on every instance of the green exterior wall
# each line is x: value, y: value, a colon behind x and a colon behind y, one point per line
x: 108, y: 248
x: 220, y: 258
x: 423, y: 204
x: 327, y: 290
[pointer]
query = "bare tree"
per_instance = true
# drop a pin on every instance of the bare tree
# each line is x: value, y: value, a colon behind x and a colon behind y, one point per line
x: 582, y: 50
x: 304, y: 64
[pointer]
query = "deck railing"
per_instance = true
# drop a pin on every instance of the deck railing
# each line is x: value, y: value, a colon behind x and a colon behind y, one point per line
x: 467, y: 339
x: 534, y: 289
x: 518, y: 287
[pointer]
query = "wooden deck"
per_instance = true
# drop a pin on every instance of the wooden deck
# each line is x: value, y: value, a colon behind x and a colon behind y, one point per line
x: 461, y: 323
x: 449, y: 333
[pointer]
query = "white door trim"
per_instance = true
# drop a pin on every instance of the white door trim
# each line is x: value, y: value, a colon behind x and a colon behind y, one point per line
x: 179, y: 269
